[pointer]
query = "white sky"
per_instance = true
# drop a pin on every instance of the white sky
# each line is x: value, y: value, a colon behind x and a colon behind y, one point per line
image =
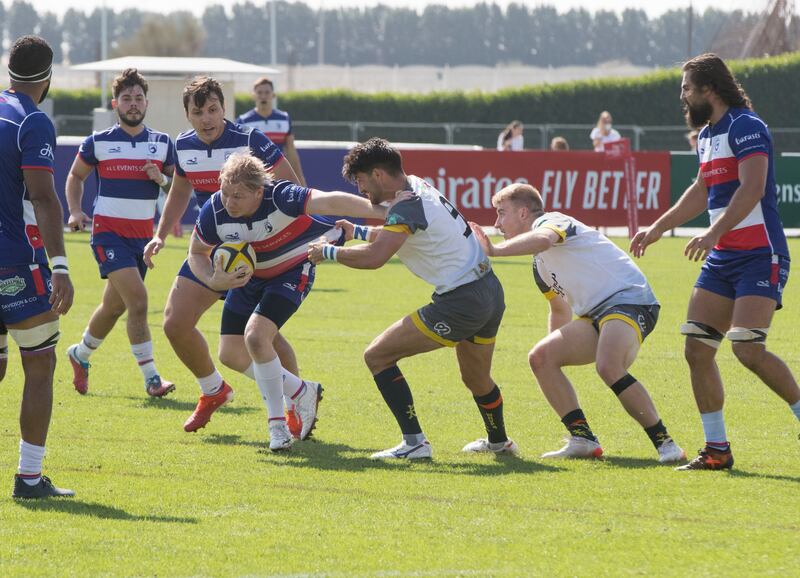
x: 652, y: 7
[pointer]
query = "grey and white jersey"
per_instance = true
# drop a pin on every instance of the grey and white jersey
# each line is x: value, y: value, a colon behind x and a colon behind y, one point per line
x: 440, y: 248
x: 586, y: 268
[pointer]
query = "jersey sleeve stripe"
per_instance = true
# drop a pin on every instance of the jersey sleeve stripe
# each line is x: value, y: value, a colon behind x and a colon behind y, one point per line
x: 200, y: 237
x: 399, y: 228
x: 36, y: 168
x: 561, y: 232
x: 753, y: 154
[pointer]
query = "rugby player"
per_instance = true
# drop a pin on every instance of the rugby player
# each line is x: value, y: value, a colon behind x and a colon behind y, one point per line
x: 434, y: 241
x: 580, y: 270
x: 31, y: 298
x: 746, y: 257
x: 277, y: 218
x: 133, y: 162
x: 200, y: 153
x: 274, y: 123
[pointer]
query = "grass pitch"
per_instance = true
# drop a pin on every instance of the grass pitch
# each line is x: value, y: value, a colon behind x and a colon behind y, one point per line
x: 153, y: 500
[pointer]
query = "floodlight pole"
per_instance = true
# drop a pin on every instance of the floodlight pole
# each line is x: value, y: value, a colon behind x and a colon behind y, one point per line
x: 689, y: 25
x: 103, y: 52
x: 273, y: 32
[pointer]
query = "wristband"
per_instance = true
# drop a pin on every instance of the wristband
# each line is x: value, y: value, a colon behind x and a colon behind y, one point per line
x: 58, y: 265
x: 329, y: 252
x: 361, y: 232
x: 164, y: 180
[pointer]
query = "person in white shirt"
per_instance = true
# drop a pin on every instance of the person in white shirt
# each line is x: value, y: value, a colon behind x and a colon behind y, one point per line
x: 604, y: 132
x: 433, y: 240
x: 511, y: 138
x: 581, y: 271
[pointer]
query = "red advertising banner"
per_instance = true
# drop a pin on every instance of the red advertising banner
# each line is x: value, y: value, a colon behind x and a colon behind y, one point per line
x: 586, y: 185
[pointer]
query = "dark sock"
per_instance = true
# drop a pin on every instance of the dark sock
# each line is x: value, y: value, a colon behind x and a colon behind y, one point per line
x: 397, y: 395
x: 491, y: 408
x: 657, y: 434
x: 721, y: 447
x: 577, y: 426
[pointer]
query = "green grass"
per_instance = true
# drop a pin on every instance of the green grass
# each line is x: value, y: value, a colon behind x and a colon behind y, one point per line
x: 153, y: 500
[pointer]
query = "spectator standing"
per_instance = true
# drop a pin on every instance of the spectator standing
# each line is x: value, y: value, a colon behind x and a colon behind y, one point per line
x: 604, y: 132
x: 511, y: 139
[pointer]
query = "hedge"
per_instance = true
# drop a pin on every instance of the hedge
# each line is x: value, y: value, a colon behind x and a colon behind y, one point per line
x: 772, y: 83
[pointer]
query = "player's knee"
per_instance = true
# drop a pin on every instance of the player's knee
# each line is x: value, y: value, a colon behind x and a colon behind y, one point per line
x: 698, y: 354
x: 748, y: 354
x: 232, y: 359
x: 610, y: 371
x: 537, y: 358
x: 174, y: 327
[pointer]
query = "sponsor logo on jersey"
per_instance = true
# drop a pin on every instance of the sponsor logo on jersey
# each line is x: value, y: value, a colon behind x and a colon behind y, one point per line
x: 191, y: 161
x: 46, y: 152
x: 152, y: 149
x: 268, y: 226
x: 754, y: 136
x: 264, y: 148
x: 232, y: 237
x: 114, y: 150
x: 12, y: 286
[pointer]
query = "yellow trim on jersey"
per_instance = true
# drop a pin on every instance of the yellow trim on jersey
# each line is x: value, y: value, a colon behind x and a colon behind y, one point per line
x: 550, y: 294
x: 482, y: 340
x: 398, y: 228
x: 561, y: 232
x: 420, y: 324
x: 624, y: 318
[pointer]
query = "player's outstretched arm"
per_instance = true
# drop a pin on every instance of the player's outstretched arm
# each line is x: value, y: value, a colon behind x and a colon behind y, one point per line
x: 177, y: 200
x: 530, y: 243
x: 214, y: 275
x: 78, y: 173
x: 340, y: 203
x: 49, y: 217
x: 367, y: 256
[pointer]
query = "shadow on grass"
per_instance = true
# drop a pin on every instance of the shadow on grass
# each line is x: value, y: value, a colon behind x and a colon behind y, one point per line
x: 734, y: 473
x: 635, y: 463
x: 95, y: 510
x: 231, y: 440
x: 338, y: 457
x: 174, y: 404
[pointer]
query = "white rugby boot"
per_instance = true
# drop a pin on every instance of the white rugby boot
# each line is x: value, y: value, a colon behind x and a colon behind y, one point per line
x: 576, y: 447
x: 483, y: 445
x: 405, y: 451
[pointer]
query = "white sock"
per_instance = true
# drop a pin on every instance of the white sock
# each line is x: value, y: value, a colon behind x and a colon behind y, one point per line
x: 250, y: 372
x: 714, y: 428
x: 143, y: 352
x: 795, y: 407
x: 291, y: 386
x: 268, y: 378
x: 210, y: 384
x: 87, y: 345
x: 30, y: 462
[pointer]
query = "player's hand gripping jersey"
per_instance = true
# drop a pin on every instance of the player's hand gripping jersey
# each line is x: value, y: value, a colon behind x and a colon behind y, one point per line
x: 586, y: 268
x: 441, y: 248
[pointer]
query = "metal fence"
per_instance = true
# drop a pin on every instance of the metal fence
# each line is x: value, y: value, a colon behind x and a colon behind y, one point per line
x: 537, y: 136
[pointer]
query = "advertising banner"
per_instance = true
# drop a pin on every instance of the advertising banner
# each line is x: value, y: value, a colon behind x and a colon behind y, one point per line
x: 586, y: 185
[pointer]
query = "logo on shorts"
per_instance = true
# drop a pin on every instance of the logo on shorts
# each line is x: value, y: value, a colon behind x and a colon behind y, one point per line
x: 12, y: 286
x: 762, y: 283
x: 110, y: 254
x: 442, y: 328
x: 290, y: 286
x: 641, y: 321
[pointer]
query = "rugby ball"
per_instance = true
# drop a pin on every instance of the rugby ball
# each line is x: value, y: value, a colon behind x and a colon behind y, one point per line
x: 235, y: 256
